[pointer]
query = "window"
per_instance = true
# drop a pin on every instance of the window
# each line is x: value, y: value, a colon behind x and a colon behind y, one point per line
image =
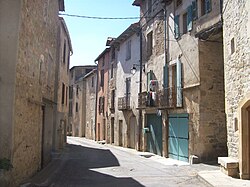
x: 128, y: 50
x: 102, y: 78
x: 232, y: 46
x: 68, y: 62
x: 76, y: 106
x: 70, y: 92
x: 206, y: 6
x: 103, y: 61
x: 178, y: 3
x: 149, y: 78
x: 128, y: 86
x: 113, y: 99
x: 184, y: 26
x: 77, y: 90
x: 112, y: 71
x: 101, y: 105
x: 150, y: 44
x: 176, y: 27
x: 70, y: 108
x: 63, y: 93
x: 92, y: 82
x: 149, y: 6
x: 66, y: 95
x: 113, y: 53
x: 64, y: 52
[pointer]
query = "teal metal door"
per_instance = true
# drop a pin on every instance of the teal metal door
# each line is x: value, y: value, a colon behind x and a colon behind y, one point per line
x: 154, y: 136
x: 178, y: 137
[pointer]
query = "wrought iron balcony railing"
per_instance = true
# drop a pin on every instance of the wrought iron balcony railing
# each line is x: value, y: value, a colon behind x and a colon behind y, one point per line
x: 124, y: 103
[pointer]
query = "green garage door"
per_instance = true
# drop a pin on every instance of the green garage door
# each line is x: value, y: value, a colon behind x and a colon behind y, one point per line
x: 178, y: 137
x: 154, y: 137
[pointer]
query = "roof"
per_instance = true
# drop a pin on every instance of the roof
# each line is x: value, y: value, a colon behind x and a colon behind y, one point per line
x: 67, y: 33
x: 102, y: 54
x: 90, y: 73
x: 86, y: 66
x: 136, y: 3
x: 132, y: 29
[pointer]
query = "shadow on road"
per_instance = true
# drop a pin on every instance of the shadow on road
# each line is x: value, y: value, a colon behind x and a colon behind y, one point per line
x: 75, y: 169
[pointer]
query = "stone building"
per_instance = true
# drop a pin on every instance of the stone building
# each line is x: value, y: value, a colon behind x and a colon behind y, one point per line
x: 76, y: 127
x: 89, y: 113
x: 236, y: 33
x: 124, y: 126
x: 28, y: 56
x: 182, y: 98
x: 62, y: 84
x: 102, y: 61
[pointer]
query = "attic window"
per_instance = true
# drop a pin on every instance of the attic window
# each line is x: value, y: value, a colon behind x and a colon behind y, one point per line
x: 232, y: 46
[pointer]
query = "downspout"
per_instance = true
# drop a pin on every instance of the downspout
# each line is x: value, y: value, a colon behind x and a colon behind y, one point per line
x: 140, y: 91
x: 96, y: 96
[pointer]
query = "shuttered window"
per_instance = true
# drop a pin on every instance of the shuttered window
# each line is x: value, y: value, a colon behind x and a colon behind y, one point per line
x: 149, y: 78
x: 165, y: 77
x: 189, y: 18
x: 208, y: 6
x: 194, y: 10
x: 176, y: 27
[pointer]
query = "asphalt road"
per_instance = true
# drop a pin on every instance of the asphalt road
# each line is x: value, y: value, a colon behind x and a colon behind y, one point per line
x: 85, y: 163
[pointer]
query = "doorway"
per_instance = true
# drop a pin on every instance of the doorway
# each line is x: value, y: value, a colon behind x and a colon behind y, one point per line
x: 120, y: 132
x: 132, y: 130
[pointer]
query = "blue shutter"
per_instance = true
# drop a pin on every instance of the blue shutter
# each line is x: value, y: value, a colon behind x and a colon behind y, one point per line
x: 178, y: 83
x: 165, y: 76
x: 176, y: 27
x: 194, y: 10
x: 189, y: 18
x: 208, y: 5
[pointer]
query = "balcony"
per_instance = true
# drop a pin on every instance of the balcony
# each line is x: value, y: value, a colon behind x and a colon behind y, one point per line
x: 166, y: 98
x: 162, y: 99
x: 124, y: 103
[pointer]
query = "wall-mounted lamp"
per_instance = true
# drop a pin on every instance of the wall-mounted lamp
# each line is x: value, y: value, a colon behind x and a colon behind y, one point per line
x: 134, y: 68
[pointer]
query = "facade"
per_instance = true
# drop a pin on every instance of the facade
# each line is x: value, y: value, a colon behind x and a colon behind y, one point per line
x: 102, y: 61
x: 236, y: 33
x: 62, y: 85
x: 76, y: 126
x: 182, y: 98
x: 28, y: 56
x: 89, y: 113
x: 125, y: 96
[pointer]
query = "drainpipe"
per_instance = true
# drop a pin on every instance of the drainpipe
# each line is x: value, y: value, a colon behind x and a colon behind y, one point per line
x: 140, y: 91
x: 96, y: 97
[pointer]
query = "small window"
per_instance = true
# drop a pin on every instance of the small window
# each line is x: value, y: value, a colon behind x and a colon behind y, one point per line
x: 232, y: 46
x: 77, y: 90
x: 112, y: 71
x: 76, y: 107
x: 66, y: 95
x: 92, y: 82
x: 128, y: 50
x: 178, y: 3
x: 184, y: 27
x: 64, y: 52
x: 150, y: 44
x: 102, y: 78
x: 63, y: 93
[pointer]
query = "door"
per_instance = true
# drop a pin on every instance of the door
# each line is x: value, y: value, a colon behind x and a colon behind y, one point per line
x: 120, y: 133
x: 112, y: 130
x: 132, y: 131
x: 178, y: 137
x: 154, y: 137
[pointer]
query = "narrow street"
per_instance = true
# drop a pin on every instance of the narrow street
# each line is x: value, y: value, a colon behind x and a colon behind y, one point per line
x: 87, y: 163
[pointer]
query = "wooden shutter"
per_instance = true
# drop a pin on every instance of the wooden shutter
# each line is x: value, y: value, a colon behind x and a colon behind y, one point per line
x: 176, y: 27
x: 165, y: 76
x: 178, y: 83
x: 208, y: 6
x: 189, y: 18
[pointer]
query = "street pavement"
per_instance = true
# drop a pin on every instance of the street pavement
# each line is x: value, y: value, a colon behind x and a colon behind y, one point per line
x: 85, y: 163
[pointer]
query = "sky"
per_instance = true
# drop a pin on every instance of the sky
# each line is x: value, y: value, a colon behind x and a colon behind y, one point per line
x: 88, y: 36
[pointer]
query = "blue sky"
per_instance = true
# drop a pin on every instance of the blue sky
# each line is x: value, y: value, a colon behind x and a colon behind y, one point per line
x: 89, y: 36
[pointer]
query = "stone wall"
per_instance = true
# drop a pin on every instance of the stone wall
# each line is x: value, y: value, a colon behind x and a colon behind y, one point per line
x: 237, y: 80
x: 35, y: 75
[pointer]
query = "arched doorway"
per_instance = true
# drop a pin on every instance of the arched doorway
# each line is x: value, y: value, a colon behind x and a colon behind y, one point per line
x: 244, y: 157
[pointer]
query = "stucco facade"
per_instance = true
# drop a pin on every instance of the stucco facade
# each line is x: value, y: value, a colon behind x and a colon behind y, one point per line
x: 237, y: 81
x: 127, y: 48
x: 183, y: 84
x: 28, y: 60
x: 102, y: 61
x: 77, y: 102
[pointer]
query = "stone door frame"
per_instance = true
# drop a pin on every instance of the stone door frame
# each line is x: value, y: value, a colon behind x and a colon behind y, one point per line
x: 244, y: 135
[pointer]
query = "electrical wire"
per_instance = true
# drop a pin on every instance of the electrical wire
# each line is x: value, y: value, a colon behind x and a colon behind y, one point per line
x: 96, y: 17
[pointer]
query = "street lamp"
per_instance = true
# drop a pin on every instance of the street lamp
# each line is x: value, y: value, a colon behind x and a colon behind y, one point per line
x: 133, y: 69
